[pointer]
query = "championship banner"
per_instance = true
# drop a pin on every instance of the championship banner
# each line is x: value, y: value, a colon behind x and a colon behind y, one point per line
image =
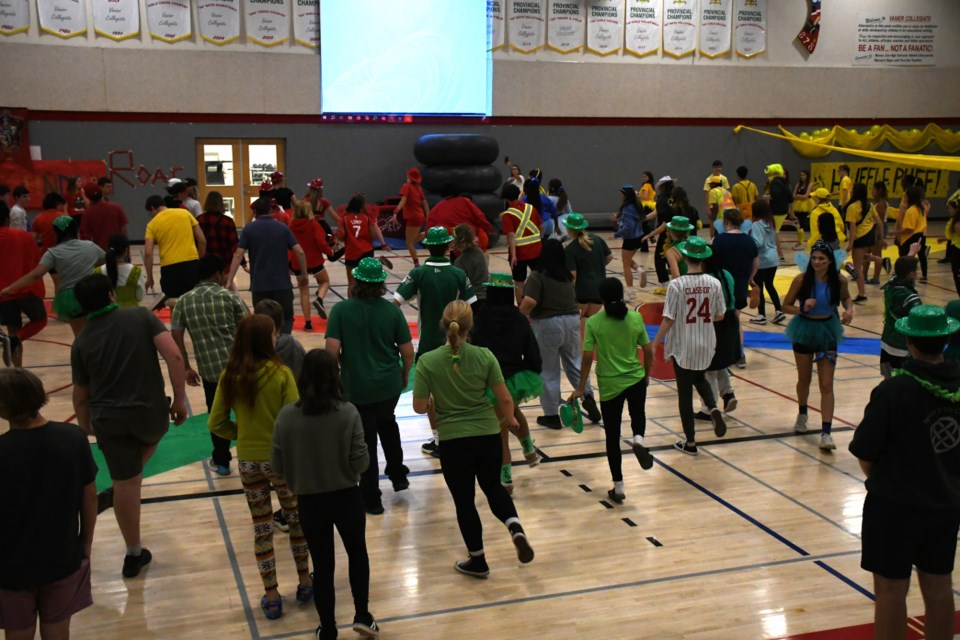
x: 116, y: 19
x: 268, y: 21
x: 680, y: 28
x: 62, y: 18
x: 565, y: 25
x: 750, y: 30
x: 810, y: 33
x: 218, y: 21
x: 715, y: 28
x: 306, y: 23
x: 14, y: 16
x: 643, y: 27
x: 604, y: 26
x: 495, y: 14
x: 526, y: 25
x: 45, y: 176
x: 169, y: 20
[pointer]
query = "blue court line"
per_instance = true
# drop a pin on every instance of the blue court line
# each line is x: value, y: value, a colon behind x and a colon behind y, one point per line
x: 850, y: 583
x: 780, y: 342
x: 587, y: 591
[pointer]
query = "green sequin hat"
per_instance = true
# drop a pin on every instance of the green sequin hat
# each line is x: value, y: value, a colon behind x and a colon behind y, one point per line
x: 680, y: 223
x: 369, y: 270
x: 927, y: 321
x: 576, y: 222
x: 504, y: 280
x: 695, y: 248
x: 437, y: 235
x: 62, y: 222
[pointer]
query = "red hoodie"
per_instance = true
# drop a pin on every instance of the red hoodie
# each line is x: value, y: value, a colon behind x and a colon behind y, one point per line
x: 312, y: 238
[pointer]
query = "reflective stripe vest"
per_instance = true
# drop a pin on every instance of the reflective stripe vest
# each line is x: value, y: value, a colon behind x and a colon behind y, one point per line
x: 527, y: 231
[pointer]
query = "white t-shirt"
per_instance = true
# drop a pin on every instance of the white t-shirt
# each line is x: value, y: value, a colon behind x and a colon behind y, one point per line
x: 693, y: 301
x: 193, y: 206
x: 711, y: 178
x: 18, y: 217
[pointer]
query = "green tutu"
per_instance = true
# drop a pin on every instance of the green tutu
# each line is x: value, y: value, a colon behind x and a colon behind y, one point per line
x: 65, y: 305
x: 523, y: 386
x: 816, y: 334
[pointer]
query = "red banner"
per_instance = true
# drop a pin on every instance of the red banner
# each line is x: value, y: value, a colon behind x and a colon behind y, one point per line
x: 14, y: 143
x: 45, y: 176
x: 810, y: 34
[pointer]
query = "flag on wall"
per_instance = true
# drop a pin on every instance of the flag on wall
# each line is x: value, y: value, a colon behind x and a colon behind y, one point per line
x: 268, y: 21
x: 715, y: 27
x: 495, y: 13
x: 642, y: 27
x: 218, y: 21
x: 810, y: 33
x: 14, y: 17
x: 680, y: 28
x: 169, y: 20
x: 604, y: 26
x: 306, y: 23
x: 750, y: 31
x: 526, y: 25
x: 14, y: 143
x: 116, y: 19
x: 565, y: 25
x: 62, y: 19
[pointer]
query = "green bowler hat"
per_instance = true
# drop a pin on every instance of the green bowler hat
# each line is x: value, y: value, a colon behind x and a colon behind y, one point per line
x: 369, y: 270
x: 504, y: 280
x: 927, y: 321
x: 695, y: 248
x: 575, y: 221
x: 437, y: 235
x: 680, y: 223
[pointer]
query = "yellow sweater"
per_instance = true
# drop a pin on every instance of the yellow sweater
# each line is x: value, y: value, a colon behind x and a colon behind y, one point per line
x: 825, y: 207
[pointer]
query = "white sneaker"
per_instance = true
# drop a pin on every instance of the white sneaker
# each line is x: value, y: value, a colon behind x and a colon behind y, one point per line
x: 642, y: 277
x: 800, y: 426
x: 826, y: 442
x: 758, y: 320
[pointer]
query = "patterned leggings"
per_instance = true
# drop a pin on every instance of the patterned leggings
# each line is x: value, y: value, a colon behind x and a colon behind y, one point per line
x: 257, y: 477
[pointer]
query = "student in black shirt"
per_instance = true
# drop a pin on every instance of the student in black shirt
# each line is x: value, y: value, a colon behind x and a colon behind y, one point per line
x: 736, y: 252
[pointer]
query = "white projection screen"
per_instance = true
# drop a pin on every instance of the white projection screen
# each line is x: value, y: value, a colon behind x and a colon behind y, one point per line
x: 405, y: 57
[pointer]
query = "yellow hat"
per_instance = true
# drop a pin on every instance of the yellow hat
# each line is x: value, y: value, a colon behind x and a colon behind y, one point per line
x: 821, y: 193
x: 774, y: 170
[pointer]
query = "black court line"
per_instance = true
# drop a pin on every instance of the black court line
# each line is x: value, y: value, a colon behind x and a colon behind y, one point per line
x: 606, y: 504
x: 565, y: 472
x: 630, y: 523
x: 652, y: 540
x: 586, y: 488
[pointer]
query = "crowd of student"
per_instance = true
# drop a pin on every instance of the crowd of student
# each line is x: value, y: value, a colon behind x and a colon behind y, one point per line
x: 488, y: 342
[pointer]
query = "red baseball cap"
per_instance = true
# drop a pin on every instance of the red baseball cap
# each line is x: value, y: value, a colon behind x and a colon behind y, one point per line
x: 266, y: 185
x: 276, y: 176
x: 316, y: 183
x: 414, y: 175
x: 92, y: 190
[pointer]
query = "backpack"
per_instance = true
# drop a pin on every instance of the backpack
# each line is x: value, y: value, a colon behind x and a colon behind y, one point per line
x: 746, y: 208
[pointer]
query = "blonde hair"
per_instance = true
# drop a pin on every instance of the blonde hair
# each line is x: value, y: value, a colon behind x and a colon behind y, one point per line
x: 303, y: 210
x: 457, y: 320
x: 584, y: 239
x: 463, y: 237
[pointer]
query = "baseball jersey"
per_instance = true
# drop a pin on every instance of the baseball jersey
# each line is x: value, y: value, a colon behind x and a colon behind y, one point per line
x: 355, y: 228
x: 437, y: 283
x: 693, y: 301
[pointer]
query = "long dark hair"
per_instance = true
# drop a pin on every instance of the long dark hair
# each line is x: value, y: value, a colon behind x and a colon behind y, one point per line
x: 70, y: 233
x: 531, y: 189
x: 761, y: 211
x: 214, y: 203
x: 801, y: 182
x: 810, y: 277
x: 611, y: 294
x: 858, y: 194
x: 915, y: 197
x: 252, y: 347
x: 319, y: 383
x: 555, y: 188
x: 629, y: 198
x: 553, y: 261
x: 647, y: 178
x: 117, y: 245
x: 881, y: 188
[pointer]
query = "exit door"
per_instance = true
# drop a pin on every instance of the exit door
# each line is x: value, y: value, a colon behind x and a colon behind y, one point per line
x: 236, y: 168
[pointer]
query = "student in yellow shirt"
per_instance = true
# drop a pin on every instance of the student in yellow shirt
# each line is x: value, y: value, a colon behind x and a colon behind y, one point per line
x: 802, y: 206
x: 825, y: 221
x: 912, y: 227
x: 744, y: 194
x: 717, y: 173
x: 952, y: 235
x: 719, y: 200
x: 846, y: 185
x: 863, y: 226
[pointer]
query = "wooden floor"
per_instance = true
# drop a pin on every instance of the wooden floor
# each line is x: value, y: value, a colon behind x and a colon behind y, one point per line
x: 758, y: 537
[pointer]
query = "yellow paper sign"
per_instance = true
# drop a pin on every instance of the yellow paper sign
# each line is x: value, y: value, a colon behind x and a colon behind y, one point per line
x: 827, y: 173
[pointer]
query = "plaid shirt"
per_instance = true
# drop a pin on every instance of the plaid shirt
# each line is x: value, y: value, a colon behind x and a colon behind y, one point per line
x: 210, y: 313
x: 221, y: 234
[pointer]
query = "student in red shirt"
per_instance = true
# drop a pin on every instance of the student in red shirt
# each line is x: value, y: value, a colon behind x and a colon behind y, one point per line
x: 54, y: 205
x: 101, y: 219
x: 413, y: 205
x: 523, y: 228
x: 311, y: 237
x: 454, y: 210
x: 356, y: 229
x: 19, y: 257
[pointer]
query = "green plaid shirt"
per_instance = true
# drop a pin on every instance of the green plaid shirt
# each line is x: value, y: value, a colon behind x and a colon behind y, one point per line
x: 210, y: 313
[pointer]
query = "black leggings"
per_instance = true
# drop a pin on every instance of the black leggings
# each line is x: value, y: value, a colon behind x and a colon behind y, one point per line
x: 686, y: 381
x: 466, y: 462
x: 954, y: 255
x: 764, y: 280
x: 612, y: 412
x: 221, y: 446
x: 922, y: 256
x: 659, y: 261
x: 319, y: 514
x: 379, y: 420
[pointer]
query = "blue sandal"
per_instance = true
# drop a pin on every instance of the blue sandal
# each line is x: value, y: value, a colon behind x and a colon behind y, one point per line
x: 304, y: 593
x: 273, y: 609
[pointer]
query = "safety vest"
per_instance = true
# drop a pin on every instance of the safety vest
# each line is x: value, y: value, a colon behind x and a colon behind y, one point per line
x: 726, y: 201
x: 527, y: 231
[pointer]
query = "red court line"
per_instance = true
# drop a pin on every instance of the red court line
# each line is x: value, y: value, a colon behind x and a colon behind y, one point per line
x: 62, y: 344
x: 786, y: 397
x: 66, y: 386
x: 865, y: 631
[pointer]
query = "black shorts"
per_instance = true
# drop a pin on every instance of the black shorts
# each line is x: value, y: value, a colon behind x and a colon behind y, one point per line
x: 350, y: 264
x: 311, y: 270
x: 122, y: 441
x: 804, y: 350
x: 740, y: 303
x: 632, y: 244
x: 177, y: 279
x: 897, y: 537
x: 12, y: 311
x: 866, y: 241
x: 889, y: 362
x: 520, y: 271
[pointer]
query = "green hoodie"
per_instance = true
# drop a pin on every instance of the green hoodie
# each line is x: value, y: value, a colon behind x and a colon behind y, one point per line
x: 899, y: 296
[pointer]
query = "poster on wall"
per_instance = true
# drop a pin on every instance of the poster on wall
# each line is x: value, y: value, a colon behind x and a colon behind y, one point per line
x: 218, y: 21
x: 715, y: 27
x: 565, y: 25
x: 526, y: 22
x: 116, y: 19
x: 495, y: 14
x: 750, y: 27
x: 642, y: 27
x: 604, y: 26
x: 306, y: 23
x: 896, y: 40
x: 936, y: 182
x: 268, y: 21
x: 169, y: 20
x: 810, y: 34
x: 62, y: 19
x: 14, y: 16
x: 680, y: 28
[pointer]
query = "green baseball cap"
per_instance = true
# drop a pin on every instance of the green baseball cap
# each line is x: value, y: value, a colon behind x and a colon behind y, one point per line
x: 695, y: 248
x: 504, y: 280
x: 575, y: 221
x: 680, y: 223
x: 437, y: 235
x: 928, y: 321
x: 369, y: 270
x: 62, y: 222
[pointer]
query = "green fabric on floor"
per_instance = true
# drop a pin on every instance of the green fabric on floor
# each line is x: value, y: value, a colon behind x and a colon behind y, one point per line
x: 186, y: 444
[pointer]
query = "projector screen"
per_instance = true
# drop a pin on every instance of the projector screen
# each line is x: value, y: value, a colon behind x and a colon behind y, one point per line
x: 405, y: 57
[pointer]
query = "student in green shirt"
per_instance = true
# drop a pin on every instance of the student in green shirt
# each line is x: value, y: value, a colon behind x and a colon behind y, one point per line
x: 452, y: 382
x: 616, y: 332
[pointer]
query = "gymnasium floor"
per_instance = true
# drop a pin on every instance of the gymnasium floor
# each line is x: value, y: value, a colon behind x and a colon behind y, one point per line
x: 758, y: 537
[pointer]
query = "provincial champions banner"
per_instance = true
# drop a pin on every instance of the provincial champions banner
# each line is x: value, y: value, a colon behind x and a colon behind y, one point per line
x: 565, y: 25
x: 306, y: 23
x: 715, y: 27
x: 495, y: 13
x: 680, y: 28
x: 642, y: 27
x: 116, y: 19
x: 526, y: 23
x: 604, y: 26
x: 750, y: 30
x: 14, y: 16
x: 268, y: 21
x: 218, y: 21
x: 169, y: 20
x: 62, y: 18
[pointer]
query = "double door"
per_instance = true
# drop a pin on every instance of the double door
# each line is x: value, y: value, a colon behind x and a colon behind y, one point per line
x: 236, y: 168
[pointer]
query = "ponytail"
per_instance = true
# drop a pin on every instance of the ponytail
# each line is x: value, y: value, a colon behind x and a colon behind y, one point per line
x: 453, y: 337
x: 457, y: 320
x: 611, y: 294
x: 117, y: 245
x: 584, y: 239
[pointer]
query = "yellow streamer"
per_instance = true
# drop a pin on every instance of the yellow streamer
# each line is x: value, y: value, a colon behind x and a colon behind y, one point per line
x: 821, y: 146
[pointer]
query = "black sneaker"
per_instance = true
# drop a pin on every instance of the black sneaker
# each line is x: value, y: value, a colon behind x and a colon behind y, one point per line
x: 860, y: 299
x: 429, y: 446
x: 590, y: 406
x: 616, y: 497
x: 385, y: 261
x: 719, y: 426
x: 524, y: 550
x: 374, y: 508
x: 321, y: 310
x: 550, y: 422
x: 400, y: 483
x: 686, y: 447
x: 6, y: 348
x: 328, y: 632
x: 887, y: 266
x: 280, y: 521
x: 475, y: 566
x: 643, y: 456
x: 307, y: 325
x: 365, y: 625
x: 132, y: 565
x: 703, y: 416
x: 729, y: 403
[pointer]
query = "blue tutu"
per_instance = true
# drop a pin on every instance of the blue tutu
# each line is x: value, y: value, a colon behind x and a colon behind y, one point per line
x: 817, y: 335
x: 803, y: 259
